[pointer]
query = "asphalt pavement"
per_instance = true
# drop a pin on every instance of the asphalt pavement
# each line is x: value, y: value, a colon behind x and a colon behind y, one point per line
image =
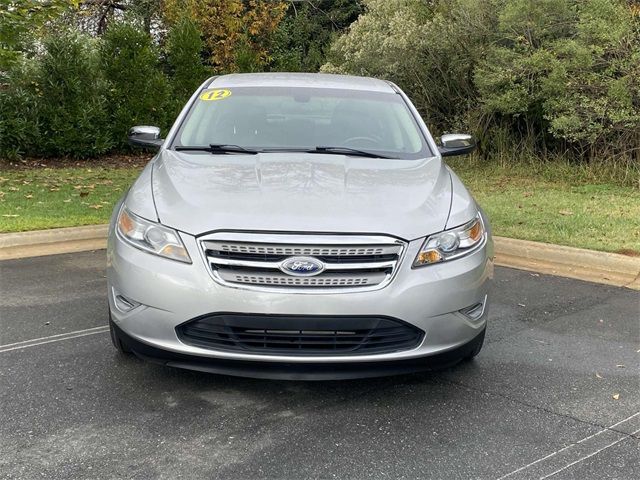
x: 555, y: 393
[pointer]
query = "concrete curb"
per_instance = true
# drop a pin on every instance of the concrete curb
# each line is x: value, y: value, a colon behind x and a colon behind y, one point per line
x: 50, y: 242
x: 589, y: 265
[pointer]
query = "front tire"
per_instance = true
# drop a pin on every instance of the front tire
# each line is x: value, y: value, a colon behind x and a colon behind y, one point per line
x: 117, y: 342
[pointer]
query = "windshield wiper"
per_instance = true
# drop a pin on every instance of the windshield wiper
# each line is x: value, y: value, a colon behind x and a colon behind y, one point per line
x: 216, y: 148
x: 347, y: 151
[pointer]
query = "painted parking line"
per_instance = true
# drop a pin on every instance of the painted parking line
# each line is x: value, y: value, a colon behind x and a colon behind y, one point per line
x: 589, y: 455
x: 53, y: 338
x: 567, y: 457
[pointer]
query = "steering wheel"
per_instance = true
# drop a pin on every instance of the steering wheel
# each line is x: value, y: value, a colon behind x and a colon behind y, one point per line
x: 372, y: 140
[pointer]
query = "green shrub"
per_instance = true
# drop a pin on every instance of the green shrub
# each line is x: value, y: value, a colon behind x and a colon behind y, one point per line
x: 184, y: 56
x: 304, y: 36
x: 71, y: 97
x: 428, y: 48
x: 569, y: 71
x: 138, y: 91
x: 383, y: 42
x: 532, y: 78
x: 19, y: 102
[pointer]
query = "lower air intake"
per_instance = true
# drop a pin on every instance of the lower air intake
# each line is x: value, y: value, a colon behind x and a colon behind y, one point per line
x: 300, y: 335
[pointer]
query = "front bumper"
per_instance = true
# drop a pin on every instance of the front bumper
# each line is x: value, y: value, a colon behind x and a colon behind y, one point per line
x: 297, y: 371
x: 171, y: 293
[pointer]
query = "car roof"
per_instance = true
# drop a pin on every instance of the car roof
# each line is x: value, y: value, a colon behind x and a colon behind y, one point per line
x: 309, y: 80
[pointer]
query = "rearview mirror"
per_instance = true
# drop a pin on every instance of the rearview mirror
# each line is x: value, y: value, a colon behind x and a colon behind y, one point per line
x: 456, y: 144
x: 145, y: 136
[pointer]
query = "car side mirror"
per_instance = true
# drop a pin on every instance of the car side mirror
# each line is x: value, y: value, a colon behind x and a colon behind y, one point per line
x: 456, y: 144
x: 145, y: 136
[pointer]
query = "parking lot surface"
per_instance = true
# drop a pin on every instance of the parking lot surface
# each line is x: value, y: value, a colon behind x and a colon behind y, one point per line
x: 555, y: 393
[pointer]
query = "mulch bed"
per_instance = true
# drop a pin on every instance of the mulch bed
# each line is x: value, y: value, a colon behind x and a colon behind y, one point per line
x: 129, y: 160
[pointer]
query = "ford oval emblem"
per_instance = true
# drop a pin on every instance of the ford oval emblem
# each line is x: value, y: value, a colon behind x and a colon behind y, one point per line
x: 302, y: 266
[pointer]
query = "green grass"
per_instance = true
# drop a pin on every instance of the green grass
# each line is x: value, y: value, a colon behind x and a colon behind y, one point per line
x: 555, y: 204
x: 547, y: 202
x: 35, y: 199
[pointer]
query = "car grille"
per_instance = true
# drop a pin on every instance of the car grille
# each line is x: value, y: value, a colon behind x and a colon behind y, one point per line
x: 300, y: 335
x: 254, y: 260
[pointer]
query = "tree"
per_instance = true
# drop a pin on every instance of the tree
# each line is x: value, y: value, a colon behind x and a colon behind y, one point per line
x: 527, y: 76
x: 70, y: 94
x: 19, y: 109
x: 232, y: 29
x: 303, y: 38
x: 21, y: 20
x: 95, y: 16
x: 184, y: 49
x: 566, y: 70
x: 138, y: 90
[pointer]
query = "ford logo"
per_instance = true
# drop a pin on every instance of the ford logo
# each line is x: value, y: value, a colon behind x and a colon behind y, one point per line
x: 302, y: 266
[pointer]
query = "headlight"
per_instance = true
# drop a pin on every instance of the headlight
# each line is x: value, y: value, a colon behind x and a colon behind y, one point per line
x: 151, y: 237
x: 452, y: 243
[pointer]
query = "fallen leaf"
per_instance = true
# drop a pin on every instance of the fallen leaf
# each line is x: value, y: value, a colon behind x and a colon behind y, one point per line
x: 615, y: 396
x: 84, y: 194
x: 67, y: 200
x: 565, y: 212
x: 28, y: 196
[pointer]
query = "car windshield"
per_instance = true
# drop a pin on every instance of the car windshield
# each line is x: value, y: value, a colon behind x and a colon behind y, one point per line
x: 303, y: 119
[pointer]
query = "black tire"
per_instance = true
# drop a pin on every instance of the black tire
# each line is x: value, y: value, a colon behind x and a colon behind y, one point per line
x: 476, y: 349
x: 115, y: 339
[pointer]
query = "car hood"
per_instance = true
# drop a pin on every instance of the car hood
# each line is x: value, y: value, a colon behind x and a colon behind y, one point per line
x: 301, y: 192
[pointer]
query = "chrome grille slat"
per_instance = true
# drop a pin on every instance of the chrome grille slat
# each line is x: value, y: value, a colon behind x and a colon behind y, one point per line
x: 302, y: 250
x: 275, y: 265
x: 282, y: 279
x: 254, y: 260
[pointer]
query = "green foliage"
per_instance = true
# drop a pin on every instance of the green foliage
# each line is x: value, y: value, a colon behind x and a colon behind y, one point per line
x: 19, y: 110
x: 20, y: 19
x: 379, y: 42
x: 531, y: 78
x: 138, y: 92
x: 568, y: 70
x: 304, y: 36
x: 238, y: 33
x: 184, y: 55
x: 528, y: 76
x: 71, y: 98
x: 428, y: 48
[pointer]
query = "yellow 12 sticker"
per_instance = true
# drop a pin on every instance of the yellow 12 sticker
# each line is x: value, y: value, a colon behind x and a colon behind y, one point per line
x: 217, y: 94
